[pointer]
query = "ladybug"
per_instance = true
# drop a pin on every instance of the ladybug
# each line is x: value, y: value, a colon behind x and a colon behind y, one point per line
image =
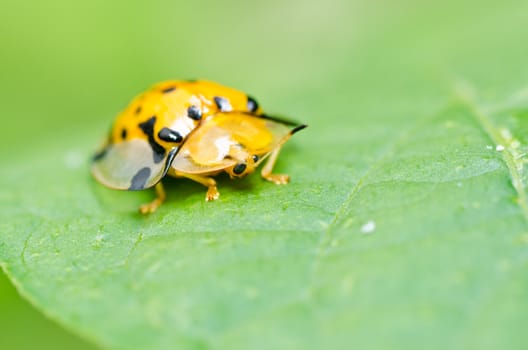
x: 191, y: 129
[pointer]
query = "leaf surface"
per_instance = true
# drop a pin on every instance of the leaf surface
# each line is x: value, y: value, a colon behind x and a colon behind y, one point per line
x: 405, y: 224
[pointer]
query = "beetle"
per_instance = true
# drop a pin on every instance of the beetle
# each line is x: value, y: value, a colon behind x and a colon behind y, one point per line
x: 192, y: 129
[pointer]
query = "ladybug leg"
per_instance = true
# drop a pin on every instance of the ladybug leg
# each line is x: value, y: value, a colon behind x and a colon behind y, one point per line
x: 212, y: 192
x: 279, y: 179
x: 149, y: 208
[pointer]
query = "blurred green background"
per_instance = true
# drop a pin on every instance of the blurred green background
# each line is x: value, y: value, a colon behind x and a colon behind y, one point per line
x: 23, y: 327
x: 67, y: 67
x: 72, y: 65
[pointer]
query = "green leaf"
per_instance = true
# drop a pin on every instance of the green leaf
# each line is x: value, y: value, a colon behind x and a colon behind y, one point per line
x: 405, y: 224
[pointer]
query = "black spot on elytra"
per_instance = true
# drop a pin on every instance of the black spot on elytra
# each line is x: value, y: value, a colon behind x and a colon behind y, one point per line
x: 123, y: 134
x: 168, y: 89
x: 102, y: 152
x: 252, y: 104
x: 170, y: 135
x: 158, y: 151
x: 138, y: 110
x: 100, y: 155
x: 239, y: 168
x: 140, y: 179
x: 194, y: 112
x: 223, y: 104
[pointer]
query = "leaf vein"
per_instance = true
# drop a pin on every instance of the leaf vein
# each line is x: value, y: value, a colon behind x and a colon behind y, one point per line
x: 400, y: 139
x: 139, y: 239
x: 513, y: 164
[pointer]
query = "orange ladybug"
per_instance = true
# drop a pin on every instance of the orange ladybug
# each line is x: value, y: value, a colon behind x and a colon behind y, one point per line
x: 192, y: 129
